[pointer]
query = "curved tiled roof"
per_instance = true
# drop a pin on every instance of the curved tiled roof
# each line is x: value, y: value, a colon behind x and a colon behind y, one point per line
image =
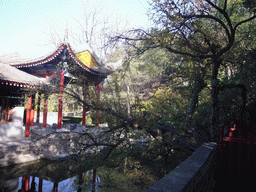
x: 29, y: 71
x: 96, y: 71
x: 11, y: 76
x: 19, y: 63
x: 38, y: 61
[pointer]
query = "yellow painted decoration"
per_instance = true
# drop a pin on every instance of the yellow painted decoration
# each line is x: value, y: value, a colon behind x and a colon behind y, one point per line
x: 87, y: 59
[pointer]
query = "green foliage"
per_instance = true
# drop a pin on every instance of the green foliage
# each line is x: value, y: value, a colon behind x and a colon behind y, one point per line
x: 53, y: 103
x: 154, y: 62
x: 250, y: 4
x: 247, y: 74
x: 88, y: 121
x: 156, y: 87
x: 203, y: 112
x: 138, y: 167
x: 75, y: 120
x: 230, y: 99
x: 165, y: 108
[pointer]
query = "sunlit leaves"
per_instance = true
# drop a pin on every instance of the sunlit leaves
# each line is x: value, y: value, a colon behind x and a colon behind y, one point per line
x: 166, y: 107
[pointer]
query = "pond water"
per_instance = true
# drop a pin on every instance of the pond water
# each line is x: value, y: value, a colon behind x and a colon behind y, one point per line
x: 77, y: 183
x: 31, y: 183
x: 73, y: 174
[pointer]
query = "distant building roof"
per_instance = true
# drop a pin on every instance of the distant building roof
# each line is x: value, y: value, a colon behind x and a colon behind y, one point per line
x: 11, y: 76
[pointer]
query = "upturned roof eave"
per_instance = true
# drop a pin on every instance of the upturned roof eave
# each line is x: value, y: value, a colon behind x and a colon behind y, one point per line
x: 38, y: 61
x: 101, y: 71
x: 12, y: 76
x: 97, y: 71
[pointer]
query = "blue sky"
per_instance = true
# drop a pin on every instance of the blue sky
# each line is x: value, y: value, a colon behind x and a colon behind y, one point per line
x: 24, y: 26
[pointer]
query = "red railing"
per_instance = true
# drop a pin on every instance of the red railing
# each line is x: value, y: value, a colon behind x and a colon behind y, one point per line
x: 237, y: 160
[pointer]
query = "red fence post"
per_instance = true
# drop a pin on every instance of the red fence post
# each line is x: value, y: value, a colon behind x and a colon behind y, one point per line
x: 249, y: 151
x: 230, y: 150
x: 239, y: 151
x: 221, y: 147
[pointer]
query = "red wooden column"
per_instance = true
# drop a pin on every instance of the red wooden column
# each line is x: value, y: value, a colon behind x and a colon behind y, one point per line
x: 40, y: 188
x: 60, y: 98
x: 38, y: 108
x: 47, y: 77
x: 4, y: 109
x: 97, y: 112
x: 45, y: 111
x: 28, y: 114
x: 10, y: 114
x: 55, y: 187
x: 84, y: 109
x: 32, y: 116
x: 4, y: 114
x: 25, y: 183
x: 94, y: 175
x: 81, y: 181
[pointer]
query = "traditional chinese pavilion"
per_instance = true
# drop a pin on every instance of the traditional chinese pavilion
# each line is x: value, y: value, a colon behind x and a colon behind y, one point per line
x: 62, y: 64
x: 14, y: 84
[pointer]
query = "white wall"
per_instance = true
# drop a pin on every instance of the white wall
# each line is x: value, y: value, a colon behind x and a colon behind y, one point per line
x: 14, y: 129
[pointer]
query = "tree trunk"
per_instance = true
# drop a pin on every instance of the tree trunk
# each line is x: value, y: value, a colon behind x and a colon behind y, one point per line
x: 199, y: 85
x: 215, y: 92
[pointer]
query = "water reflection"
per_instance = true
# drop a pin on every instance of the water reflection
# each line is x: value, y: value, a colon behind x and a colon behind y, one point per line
x: 116, y: 173
x: 88, y: 181
x: 65, y: 175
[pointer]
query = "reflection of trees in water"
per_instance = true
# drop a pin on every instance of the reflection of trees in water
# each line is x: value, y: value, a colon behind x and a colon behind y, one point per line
x: 105, y: 178
x: 133, y: 168
x: 88, y: 181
